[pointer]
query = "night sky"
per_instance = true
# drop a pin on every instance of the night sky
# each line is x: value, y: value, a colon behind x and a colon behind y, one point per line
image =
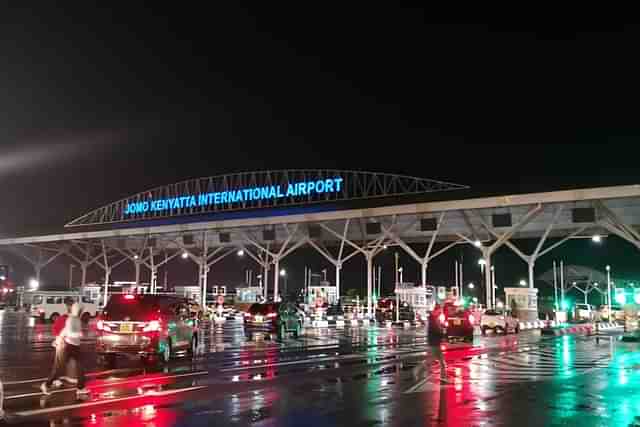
x: 101, y: 104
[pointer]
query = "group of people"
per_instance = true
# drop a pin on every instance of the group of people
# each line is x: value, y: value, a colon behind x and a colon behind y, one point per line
x: 67, y: 330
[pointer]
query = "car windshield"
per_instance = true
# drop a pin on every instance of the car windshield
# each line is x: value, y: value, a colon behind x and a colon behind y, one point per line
x: 136, y: 309
x: 452, y: 310
x: 263, y: 308
x: 493, y: 313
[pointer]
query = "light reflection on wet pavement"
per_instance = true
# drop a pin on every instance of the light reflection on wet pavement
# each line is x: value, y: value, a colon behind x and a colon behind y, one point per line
x: 337, y: 376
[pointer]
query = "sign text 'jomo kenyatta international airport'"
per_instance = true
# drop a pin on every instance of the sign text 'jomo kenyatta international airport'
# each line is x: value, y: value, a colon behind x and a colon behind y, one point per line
x: 331, y: 185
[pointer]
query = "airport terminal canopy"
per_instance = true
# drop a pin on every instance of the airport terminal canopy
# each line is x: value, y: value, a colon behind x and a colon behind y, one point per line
x: 258, y: 190
x: 340, y: 214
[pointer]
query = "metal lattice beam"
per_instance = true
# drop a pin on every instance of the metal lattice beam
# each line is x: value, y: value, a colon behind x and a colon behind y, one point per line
x: 344, y: 185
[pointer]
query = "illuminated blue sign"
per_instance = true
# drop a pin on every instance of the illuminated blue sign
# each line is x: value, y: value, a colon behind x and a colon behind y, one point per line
x: 330, y: 185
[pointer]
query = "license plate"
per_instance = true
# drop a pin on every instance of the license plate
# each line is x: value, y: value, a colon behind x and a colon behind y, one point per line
x: 457, y: 321
x: 126, y: 327
x: 258, y: 319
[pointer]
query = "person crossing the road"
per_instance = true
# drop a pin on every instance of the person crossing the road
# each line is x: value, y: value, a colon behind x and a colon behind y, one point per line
x: 58, y: 342
x: 70, y: 355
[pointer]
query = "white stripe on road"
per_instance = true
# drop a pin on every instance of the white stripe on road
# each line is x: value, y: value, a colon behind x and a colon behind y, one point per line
x: 90, y: 374
x: 111, y: 384
x: 103, y: 402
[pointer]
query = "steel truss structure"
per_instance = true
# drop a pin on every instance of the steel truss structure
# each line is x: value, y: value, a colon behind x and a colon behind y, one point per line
x: 352, y: 185
x: 340, y: 236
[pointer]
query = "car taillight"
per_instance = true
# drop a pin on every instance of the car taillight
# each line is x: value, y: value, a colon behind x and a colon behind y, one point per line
x: 153, y: 326
x: 247, y: 314
x: 41, y: 311
x: 129, y: 296
x: 271, y: 315
x: 100, y: 326
x: 441, y: 318
x: 471, y: 318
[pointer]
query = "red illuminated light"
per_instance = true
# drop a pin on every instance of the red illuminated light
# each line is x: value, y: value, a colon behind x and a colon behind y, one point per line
x: 471, y: 318
x: 442, y: 318
x: 129, y: 296
x: 153, y: 326
x: 271, y: 315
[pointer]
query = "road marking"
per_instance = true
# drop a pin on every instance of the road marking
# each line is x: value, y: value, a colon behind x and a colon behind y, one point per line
x: 111, y: 384
x: 90, y: 374
x: 103, y: 402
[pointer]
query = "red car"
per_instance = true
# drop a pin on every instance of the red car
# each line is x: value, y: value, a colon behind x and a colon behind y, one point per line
x: 451, y: 321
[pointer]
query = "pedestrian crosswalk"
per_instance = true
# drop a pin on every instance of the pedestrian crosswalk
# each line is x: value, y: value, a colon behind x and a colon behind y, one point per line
x: 558, y: 360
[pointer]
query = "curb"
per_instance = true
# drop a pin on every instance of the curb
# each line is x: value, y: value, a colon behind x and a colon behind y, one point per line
x: 537, y: 324
x: 584, y: 329
x: 604, y: 326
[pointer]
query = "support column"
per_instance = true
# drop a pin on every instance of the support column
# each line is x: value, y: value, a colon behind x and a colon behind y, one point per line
x: 137, y: 265
x: 369, y: 282
x: 338, y: 268
x: 83, y: 269
x: 276, y: 279
x: 38, y: 269
x: 424, y: 274
x: 531, y: 264
x: 487, y: 281
x: 265, y: 280
x: 154, y: 280
x: 107, y: 274
x: 205, y: 279
x: 166, y: 271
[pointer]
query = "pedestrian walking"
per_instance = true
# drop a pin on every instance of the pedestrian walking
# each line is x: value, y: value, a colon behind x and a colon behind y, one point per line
x: 58, y: 342
x: 71, y: 354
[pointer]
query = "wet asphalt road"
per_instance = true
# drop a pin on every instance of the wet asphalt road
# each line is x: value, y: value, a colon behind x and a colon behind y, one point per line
x: 363, y: 376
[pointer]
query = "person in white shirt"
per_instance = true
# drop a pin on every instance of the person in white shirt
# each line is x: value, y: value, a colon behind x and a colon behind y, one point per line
x: 72, y: 335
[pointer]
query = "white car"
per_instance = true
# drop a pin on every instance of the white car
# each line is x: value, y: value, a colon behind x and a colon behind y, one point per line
x: 498, y: 321
x: 584, y: 312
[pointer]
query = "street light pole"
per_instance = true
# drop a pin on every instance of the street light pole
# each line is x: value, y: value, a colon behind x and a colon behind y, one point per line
x: 483, y: 281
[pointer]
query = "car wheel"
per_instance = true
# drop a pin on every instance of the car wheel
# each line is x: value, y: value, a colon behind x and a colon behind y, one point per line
x: 298, y: 330
x: 165, y: 354
x: 53, y: 317
x: 483, y: 330
x: 193, y: 348
x: 107, y: 360
x: 517, y: 329
x: 282, y: 331
x: 86, y: 317
x: 500, y: 330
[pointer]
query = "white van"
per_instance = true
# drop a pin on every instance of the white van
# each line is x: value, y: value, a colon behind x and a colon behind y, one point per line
x: 49, y: 305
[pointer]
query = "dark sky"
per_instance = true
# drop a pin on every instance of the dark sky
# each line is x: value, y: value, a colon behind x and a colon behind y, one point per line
x: 100, y: 104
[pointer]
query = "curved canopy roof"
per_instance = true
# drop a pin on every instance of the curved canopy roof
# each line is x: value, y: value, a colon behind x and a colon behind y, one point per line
x: 256, y: 190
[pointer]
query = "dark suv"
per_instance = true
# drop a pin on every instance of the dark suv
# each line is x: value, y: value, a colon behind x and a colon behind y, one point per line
x: 151, y: 327
x: 278, y: 318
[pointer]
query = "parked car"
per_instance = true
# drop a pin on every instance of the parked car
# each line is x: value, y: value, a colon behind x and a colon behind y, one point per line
x: 273, y: 318
x: 152, y: 327
x: 583, y: 312
x: 499, y: 321
x: 451, y: 321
